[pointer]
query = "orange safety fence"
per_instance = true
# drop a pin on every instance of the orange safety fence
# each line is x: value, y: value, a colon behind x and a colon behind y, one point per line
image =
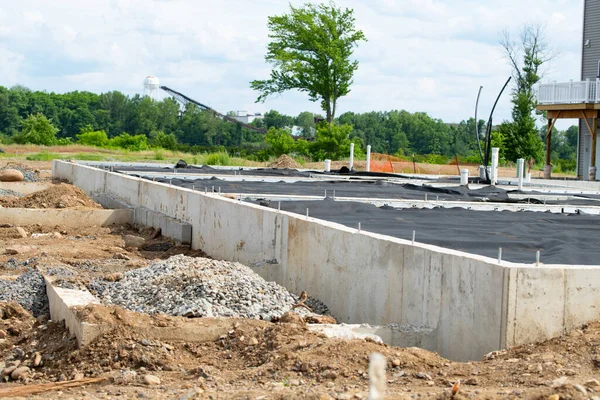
x: 382, y: 163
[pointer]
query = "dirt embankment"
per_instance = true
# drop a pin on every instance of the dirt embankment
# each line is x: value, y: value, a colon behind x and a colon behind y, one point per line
x: 61, y: 195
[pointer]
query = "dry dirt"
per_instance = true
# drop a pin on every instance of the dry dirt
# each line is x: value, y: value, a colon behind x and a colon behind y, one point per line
x: 285, y: 161
x: 252, y: 359
x: 60, y: 195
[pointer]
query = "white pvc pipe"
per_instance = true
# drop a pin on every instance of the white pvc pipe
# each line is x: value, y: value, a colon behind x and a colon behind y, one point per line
x: 368, y: 158
x: 495, y: 154
x: 351, y: 156
x: 327, y: 165
x: 520, y: 170
x: 464, y: 177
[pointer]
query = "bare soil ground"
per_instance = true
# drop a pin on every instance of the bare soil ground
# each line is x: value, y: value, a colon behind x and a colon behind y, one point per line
x: 255, y: 359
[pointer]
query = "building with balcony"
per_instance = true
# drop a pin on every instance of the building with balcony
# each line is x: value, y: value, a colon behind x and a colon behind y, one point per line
x: 578, y: 99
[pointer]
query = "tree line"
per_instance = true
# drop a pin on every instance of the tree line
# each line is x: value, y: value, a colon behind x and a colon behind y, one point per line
x: 74, y: 116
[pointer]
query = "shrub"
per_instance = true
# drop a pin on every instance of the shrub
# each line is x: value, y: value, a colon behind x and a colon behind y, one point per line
x: 129, y: 142
x: 217, y: 159
x: 36, y: 129
x: 93, y: 138
x: 163, y: 140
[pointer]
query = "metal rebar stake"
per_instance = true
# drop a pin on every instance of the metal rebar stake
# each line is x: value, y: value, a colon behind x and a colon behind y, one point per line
x: 278, y: 206
x: 307, y: 213
x: 359, y: 227
x: 414, y: 236
x: 499, y: 255
x: 537, y: 258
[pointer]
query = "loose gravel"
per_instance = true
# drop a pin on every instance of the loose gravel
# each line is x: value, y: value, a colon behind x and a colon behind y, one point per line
x: 28, y: 175
x: 10, y: 193
x: 29, y: 290
x: 200, y: 287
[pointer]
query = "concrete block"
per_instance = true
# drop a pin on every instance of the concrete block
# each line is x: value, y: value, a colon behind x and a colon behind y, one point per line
x: 109, y: 202
x: 61, y: 302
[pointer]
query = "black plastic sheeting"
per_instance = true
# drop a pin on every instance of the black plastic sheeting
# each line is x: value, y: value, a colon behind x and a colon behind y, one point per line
x: 378, y: 189
x: 561, y: 238
x: 183, y: 168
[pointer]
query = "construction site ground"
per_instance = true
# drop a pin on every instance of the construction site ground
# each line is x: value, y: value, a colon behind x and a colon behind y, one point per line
x: 255, y: 359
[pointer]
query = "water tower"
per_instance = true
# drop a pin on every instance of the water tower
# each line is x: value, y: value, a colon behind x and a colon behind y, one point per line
x: 152, y: 87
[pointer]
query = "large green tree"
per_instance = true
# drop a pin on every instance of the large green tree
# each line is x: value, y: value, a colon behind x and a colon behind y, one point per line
x: 526, y: 57
x: 310, y: 51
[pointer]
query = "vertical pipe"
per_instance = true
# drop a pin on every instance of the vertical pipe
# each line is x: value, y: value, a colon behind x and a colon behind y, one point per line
x: 520, y: 170
x: 499, y: 255
x: 494, y: 172
x: 537, y: 257
x: 368, y: 158
x: 327, y: 165
x: 414, y: 236
x: 464, y: 177
x: 351, y: 156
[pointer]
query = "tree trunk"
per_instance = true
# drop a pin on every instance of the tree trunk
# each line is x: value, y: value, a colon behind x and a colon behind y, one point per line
x: 333, y: 111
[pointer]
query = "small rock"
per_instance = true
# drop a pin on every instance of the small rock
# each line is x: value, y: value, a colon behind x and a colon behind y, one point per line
x: 396, y: 362
x: 554, y: 397
x: 121, y: 256
x: 19, y: 373
x: 151, y: 380
x: 56, y: 235
x: 37, y: 359
x: 330, y: 375
x: 472, y: 382
x: 2, y: 334
x: 592, y: 383
x: 8, y: 370
x: 117, y: 276
x: 11, y: 251
x: 133, y: 241
x: 559, y: 382
x: 344, y: 396
x: 294, y: 382
x: 423, y: 375
x: 22, y: 232
x: 580, y: 389
x: 253, y: 341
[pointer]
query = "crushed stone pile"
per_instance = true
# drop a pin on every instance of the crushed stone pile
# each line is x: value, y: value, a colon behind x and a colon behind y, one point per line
x: 285, y: 161
x: 10, y: 193
x: 200, y: 287
x: 29, y: 175
x: 56, y: 196
x: 28, y: 290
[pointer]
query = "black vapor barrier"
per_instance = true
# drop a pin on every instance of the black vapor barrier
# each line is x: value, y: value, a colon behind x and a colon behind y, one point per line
x: 561, y: 238
x: 183, y: 168
x: 378, y: 189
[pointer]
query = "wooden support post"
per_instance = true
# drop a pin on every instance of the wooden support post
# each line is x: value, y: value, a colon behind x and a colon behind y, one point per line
x: 593, y: 163
x: 548, y: 167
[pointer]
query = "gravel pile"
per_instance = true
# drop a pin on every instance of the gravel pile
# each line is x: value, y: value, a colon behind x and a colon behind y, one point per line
x: 8, y: 192
x: 28, y: 175
x: 199, y: 287
x: 29, y: 290
x: 13, y: 263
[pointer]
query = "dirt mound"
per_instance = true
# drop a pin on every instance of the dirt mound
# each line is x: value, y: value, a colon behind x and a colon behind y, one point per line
x: 56, y: 196
x: 285, y: 161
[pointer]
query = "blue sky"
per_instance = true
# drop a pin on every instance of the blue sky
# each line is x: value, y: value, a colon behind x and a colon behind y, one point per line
x: 422, y: 55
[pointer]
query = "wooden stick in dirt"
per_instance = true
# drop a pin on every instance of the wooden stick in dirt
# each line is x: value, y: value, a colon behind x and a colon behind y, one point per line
x: 19, y: 391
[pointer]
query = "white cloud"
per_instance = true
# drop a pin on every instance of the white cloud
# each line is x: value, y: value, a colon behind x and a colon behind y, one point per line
x: 422, y: 55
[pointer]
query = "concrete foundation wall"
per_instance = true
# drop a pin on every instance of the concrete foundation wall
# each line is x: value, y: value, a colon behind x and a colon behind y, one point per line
x: 457, y: 304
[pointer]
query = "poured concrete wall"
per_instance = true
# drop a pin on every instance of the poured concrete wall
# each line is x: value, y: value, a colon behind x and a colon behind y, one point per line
x: 457, y: 304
